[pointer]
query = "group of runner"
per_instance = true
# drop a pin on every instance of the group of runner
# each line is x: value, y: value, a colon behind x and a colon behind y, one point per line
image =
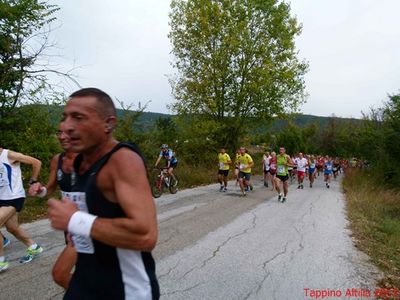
x: 279, y: 169
x: 243, y: 164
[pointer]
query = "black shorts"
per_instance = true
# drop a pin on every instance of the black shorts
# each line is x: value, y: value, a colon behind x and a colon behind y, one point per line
x: 282, y: 178
x: 266, y: 171
x: 223, y: 172
x: 173, y: 165
x: 244, y: 175
x: 17, y: 203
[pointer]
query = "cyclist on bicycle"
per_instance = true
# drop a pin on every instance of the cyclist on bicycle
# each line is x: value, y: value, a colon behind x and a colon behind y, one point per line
x: 171, y: 160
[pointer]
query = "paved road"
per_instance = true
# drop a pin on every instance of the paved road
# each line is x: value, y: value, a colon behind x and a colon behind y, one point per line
x: 216, y: 245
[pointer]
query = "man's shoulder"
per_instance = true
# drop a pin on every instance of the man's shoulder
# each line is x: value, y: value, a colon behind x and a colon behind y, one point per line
x: 248, y: 156
x: 125, y: 151
x: 3, y: 151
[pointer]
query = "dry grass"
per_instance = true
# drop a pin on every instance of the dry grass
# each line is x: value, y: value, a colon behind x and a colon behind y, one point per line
x: 374, y: 213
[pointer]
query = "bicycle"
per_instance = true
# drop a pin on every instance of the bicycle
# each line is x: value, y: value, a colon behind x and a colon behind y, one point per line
x: 164, y: 180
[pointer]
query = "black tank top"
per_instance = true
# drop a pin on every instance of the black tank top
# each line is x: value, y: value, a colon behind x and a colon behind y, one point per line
x: 63, y: 179
x: 109, y: 273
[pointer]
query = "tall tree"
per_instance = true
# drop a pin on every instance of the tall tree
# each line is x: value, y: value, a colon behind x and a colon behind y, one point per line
x: 291, y: 137
x: 236, y: 61
x: 24, y: 51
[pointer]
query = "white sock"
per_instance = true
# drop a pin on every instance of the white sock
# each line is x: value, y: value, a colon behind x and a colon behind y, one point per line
x: 2, y: 259
x: 33, y: 246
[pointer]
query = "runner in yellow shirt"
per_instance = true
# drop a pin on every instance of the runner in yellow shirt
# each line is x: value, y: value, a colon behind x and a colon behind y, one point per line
x: 237, y: 166
x: 224, y: 162
x: 245, y: 163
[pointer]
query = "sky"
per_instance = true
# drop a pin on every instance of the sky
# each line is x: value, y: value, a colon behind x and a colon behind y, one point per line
x: 122, y: 47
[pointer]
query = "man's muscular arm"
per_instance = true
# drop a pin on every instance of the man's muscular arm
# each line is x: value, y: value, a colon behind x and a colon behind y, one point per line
x: 123, y: 180
x: 132, y: 191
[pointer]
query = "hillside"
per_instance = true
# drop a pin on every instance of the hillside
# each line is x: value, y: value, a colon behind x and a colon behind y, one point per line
x: 304, y: 120
x: 147, y: 119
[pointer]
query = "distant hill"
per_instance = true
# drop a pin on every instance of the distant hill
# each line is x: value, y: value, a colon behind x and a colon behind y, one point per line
x: 147, y: 120
x: 304, y: 120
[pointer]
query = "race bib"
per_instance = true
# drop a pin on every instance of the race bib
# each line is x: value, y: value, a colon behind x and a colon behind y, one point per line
x: 221, y: 165
x: 281, y: 169
x: 82, y: 244
x: 242, y: 166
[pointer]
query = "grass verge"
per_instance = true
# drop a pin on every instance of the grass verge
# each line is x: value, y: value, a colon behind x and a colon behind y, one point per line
x: 374, y: 213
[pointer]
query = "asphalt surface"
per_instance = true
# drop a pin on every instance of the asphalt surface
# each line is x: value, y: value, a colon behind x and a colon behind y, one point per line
x: 215, y: 245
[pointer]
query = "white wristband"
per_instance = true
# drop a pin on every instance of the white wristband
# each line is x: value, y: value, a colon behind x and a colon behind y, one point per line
x: 81, y: 223
x: 43, y: 192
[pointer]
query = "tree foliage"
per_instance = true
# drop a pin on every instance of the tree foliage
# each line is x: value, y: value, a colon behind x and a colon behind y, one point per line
x: 235, y: 60
x: 24, y: 57
x: 29, y: 105
x: 380, y: 137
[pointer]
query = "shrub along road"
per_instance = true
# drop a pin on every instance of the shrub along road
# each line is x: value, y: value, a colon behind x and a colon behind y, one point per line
x: 215, y: 245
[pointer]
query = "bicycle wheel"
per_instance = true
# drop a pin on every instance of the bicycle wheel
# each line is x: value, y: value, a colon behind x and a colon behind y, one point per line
x: 173, y: 185
x: 157, y: 188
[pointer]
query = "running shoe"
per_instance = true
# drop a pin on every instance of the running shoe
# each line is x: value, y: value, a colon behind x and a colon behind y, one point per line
x: 243, y: 194
x: 30, y: 254
x: 6, y: 242
x: 279, y: 197
x: 4, y: 265
x: 221, y: 188
x: 298, y: 187
x: 26, y: 258
x: 302, y: 187
x: 225, y: 190
x: 283, y: 199
x: 251, y: 187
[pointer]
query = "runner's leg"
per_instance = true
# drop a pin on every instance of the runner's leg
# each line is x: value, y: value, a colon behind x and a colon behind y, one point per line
x: 15, y: 229
x: 278, y: 188
x: 285, y: 188
x: 6, y: 213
